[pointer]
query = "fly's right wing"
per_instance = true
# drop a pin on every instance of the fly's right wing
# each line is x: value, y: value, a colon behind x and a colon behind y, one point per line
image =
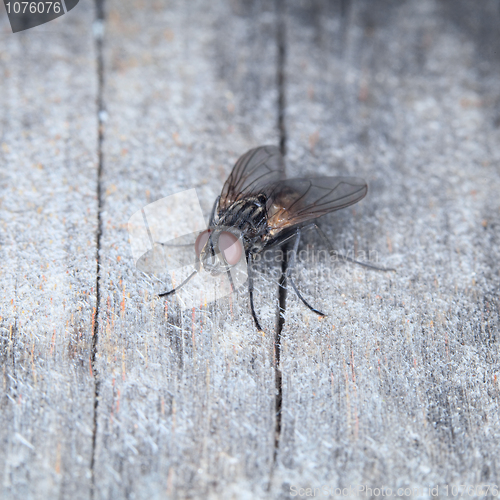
x: 297, y: 201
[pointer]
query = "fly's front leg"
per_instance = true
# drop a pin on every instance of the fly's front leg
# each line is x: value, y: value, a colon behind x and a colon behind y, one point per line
x: 291, y: 265
x: 171, y: 292
x: 179, y: 245
x: 231, y: 282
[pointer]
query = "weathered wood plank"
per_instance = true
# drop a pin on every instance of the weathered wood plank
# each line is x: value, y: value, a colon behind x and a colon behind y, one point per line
x: 399, y: 385
x: 48, y: 214
x: 186, y: 400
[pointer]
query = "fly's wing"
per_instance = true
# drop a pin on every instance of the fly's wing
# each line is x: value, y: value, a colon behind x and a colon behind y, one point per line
x: 296, y: 201
x: 254, y: 173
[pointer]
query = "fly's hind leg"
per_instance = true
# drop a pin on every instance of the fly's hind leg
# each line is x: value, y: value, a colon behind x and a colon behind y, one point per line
x: 344, y: 257
x: 291, y: 265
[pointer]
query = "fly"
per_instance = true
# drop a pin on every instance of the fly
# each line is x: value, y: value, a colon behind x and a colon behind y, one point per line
x: 259, y: 208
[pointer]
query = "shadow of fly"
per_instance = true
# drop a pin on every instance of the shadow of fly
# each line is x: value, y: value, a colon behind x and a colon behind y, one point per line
x: 259, y: 208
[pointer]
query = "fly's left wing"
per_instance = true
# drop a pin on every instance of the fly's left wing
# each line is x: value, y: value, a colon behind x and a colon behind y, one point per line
x: 254, y: 173
x: 296, y: 201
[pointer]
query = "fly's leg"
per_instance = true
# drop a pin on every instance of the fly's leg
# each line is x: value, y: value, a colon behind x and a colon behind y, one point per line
x: 171, y: 292
x: 230, y: 278
x: 214, y: 208
x: 178, y: 245
x: 344, y: 257
x: 250, y: 291
x: 289, y: 270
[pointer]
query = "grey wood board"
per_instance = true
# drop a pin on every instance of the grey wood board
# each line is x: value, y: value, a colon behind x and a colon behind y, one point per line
x: 398, y: 386
x: 185, y: 399
x: 48, y: 220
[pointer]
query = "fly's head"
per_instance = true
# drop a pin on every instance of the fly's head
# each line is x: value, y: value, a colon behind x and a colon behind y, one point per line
x: 219, y: 249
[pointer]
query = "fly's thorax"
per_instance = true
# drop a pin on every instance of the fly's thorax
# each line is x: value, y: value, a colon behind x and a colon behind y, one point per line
x: 219, y: 249
x: 248, y: 215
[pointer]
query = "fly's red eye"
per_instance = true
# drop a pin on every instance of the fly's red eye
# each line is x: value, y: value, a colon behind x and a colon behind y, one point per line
x: 201, y: 241
x: 231, y: 247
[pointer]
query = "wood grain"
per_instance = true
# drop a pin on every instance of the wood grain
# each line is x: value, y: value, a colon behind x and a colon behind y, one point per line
x: 398, y: 386
x: 111, y: 392
x: 185, y: 398
x: 48, y: 214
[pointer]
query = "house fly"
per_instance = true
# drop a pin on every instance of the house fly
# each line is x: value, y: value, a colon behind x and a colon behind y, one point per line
x: 259, y: 208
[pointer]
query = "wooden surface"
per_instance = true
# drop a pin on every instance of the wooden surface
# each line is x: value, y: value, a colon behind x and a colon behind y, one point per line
x: 48, y: 223
x: 110, y: 392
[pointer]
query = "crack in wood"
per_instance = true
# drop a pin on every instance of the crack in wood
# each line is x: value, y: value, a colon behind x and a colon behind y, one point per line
x: 282, y: 291
x: 99, y: 20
